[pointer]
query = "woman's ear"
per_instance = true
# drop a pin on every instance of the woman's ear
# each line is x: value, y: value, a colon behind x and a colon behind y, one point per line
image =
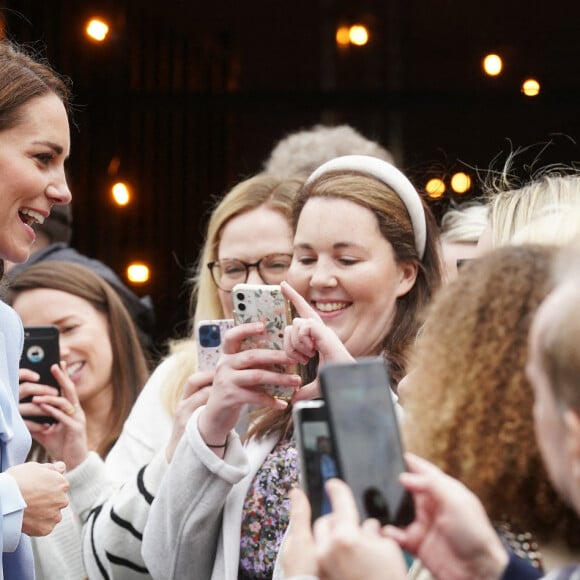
x: 407, y: 276
x: 572, y: 443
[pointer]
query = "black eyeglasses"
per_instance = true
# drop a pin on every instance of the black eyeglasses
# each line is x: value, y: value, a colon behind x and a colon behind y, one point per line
x: 228, y: 272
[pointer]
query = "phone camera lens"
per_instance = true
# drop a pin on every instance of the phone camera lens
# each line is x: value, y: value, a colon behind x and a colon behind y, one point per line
x: 240, y: 296
x: 241, y: 306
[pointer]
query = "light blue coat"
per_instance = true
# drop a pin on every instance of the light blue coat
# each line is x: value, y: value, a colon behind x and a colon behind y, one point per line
x: 17, y: 559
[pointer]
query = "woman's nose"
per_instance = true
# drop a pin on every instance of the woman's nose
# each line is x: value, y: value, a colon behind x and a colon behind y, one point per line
x: 58, y: 191
x: 323, y: 275
x: 254, y: 276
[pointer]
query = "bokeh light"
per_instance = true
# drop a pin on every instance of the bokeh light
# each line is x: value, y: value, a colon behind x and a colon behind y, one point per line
x: 121, y: 193
x: 531, y: 87
x: 460, y: 182
x: 358, y: 35
x: 97, y: 29
x: 492, y: 65
x: 342, y: 36
x: 138, y: 273
x: 435, y: 188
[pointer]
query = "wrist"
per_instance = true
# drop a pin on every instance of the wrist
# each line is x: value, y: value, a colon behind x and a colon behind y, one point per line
x: 214, y: 436
x: 493, y: 563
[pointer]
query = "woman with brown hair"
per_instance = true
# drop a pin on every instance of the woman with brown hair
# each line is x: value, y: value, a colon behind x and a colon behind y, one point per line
x: 105, y: 370
x: 468, y: 409
x: 34, y: 146
x: 365, y: 259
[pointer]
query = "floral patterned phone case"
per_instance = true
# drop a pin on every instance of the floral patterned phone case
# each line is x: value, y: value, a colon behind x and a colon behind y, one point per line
x: 209, y: 335
x: 265, y: 303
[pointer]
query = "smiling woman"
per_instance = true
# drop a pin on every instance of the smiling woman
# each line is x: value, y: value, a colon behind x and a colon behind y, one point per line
x: 365, y: 262
x: 34, y: 144
x: 105, y: 370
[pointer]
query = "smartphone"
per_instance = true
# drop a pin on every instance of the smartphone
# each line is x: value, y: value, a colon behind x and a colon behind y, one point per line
x: 265, y: 303
x: 315, y: 453
x: 208, y: 339
x: 39, y: 353
x: 366, y: 439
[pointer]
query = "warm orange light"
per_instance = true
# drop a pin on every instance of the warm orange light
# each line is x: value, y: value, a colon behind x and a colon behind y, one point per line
x: 97, y: 29
x: 138, y: 273
x: 121, y: 193
x: 358, y: 35
x: 435, y: 188
x: 460, y: 182
x: 342, y: 36
x: 492, y: 65
x: 531, y: 87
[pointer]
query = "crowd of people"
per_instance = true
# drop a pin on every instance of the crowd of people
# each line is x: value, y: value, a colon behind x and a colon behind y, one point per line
x: 177, y: 472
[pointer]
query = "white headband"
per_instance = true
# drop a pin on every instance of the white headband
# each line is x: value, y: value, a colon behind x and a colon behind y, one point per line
x: 391, y: 176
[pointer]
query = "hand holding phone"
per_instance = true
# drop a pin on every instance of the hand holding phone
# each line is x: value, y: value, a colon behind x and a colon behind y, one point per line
x: 315, y: 453
x: 366, y: 440
x: 40, y: 352
x: 265, y: 303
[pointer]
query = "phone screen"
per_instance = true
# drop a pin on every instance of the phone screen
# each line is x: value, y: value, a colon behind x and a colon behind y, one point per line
x: 366, y: 438
x: 317, y: 461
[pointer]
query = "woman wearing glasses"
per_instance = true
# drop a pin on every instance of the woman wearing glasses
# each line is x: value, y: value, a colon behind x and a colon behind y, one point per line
x: 249, y: 239
x: 365, y: 263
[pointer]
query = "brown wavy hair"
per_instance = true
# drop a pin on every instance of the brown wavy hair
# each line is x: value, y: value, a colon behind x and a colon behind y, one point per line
x: 129, y: 370
x: 468, y: 403
x: 395, y: 226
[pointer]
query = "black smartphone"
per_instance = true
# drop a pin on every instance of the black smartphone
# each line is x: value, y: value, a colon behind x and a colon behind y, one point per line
x: 39, y: 353
x: 315, y: 454
x: 366, y: 439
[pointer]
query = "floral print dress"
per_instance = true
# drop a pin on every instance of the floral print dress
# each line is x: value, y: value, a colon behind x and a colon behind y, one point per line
x: 266, y: 512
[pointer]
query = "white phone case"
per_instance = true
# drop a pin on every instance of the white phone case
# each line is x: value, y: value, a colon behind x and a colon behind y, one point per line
x: 264, y: 303
x: 209, y: 336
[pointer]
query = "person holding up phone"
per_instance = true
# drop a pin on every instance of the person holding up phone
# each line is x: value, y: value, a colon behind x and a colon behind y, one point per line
x: 34, y: 146
x: 365, y: 262
x: 103, y: 369
x: 469, y: 409
x: 248, y: 240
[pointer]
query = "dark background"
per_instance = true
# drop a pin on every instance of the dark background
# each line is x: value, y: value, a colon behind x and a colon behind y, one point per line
x: 186, y: 98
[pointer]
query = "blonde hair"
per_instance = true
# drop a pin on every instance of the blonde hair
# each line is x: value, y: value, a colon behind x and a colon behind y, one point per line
x: 464, y: 223
x: 557, y: 226
x: 261, y: 190
x: 528, y: 213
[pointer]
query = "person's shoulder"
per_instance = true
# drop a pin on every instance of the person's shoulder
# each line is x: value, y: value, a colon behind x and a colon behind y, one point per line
x: 9, y: 320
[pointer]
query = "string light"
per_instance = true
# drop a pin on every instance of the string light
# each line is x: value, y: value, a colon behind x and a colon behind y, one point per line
x: 121, y: 193
x: 492, y: 65
x: 138, y: 273
x: 97, y: 29
x: 531, y: 87
x: 435, y: 188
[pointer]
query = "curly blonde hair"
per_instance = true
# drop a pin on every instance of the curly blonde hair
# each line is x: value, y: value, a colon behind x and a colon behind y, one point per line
x: 468, y: 402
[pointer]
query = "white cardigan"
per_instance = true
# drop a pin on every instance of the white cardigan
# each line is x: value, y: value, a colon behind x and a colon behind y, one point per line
x: 193, y: 530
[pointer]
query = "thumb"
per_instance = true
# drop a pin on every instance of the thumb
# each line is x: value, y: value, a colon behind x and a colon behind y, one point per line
x: 57, y: 466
